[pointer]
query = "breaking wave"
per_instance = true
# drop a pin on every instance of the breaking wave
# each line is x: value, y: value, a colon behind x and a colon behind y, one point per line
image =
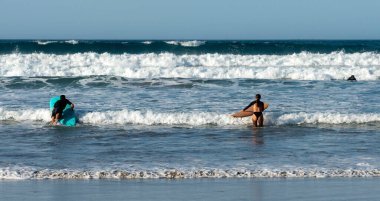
x: 150, y: 117
x: 73, y: 42
x: 45, y: 42
x: 303, y: 66
x: 193, y: 43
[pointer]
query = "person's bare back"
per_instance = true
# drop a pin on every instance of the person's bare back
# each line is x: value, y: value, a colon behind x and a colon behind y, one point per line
x: 255, y: 108
x: 258, y: 109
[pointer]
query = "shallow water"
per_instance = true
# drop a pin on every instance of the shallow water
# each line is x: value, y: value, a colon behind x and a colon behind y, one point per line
x: 314, y: 129
x: 193, y: 189
x: 141, y: 117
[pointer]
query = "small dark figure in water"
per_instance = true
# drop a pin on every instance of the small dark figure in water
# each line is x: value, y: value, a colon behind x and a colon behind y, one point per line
x: 352, y: 78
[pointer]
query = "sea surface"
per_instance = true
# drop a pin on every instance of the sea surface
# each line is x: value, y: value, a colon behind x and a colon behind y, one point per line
x: 162, y: 109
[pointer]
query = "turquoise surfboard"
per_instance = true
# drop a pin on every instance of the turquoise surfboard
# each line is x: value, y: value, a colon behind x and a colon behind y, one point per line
x: 68, y: 115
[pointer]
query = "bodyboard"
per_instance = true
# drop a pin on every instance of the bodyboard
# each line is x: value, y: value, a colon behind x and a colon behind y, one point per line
x: 68, y: 115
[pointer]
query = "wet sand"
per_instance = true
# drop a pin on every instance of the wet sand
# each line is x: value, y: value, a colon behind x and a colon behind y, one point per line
x: 193, y: 189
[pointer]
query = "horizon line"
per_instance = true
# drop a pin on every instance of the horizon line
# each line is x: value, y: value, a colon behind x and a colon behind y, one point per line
x: 186, y: 39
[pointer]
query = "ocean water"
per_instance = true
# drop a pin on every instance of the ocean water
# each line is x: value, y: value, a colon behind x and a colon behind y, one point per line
x: 161, y: 109
x: 334, y: 189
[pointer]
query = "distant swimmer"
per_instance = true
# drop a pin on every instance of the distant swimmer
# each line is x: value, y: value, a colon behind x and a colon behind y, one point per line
x: 256, y: 109
x: 352, y: 78
x: 59, y: 106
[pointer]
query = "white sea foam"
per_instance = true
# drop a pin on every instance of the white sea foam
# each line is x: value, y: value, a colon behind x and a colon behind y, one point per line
x: 193, y: 43
x: 24, y: 114
x: 73, y: 42
x: 303, y: 66
x: 202, y: 118
x: 147, y: 42
x: 173, y: 42
x: 156, y: 118
x: 45, y: 42
x: 325, y: 118
x: 150, y: 117
x: 30, y: 173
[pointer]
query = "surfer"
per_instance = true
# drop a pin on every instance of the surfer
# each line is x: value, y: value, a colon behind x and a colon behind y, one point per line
x: 257, y: 109
x: 59, y: 106
x: 352, y: 78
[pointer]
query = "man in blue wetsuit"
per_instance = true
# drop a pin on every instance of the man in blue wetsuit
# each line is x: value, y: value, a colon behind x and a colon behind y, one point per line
x: 59, y: 106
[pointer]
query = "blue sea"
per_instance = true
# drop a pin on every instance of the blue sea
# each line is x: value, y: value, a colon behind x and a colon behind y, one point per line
x: 162, y: 109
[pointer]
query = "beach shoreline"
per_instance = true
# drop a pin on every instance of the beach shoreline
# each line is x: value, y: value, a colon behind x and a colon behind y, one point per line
x: 193, y: 189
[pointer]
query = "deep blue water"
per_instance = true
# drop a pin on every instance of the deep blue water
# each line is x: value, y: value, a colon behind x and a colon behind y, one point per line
x: 271, y: 47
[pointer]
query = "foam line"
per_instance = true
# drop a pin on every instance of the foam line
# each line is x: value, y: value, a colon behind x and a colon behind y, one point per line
x: 29, y: 173
x: 325, y: 118
x: 303, y: 66
x: 24, y: 115
x: 150, y: 117
x: 192, y: 43
x: 45, y: 42
x: 73, y: 42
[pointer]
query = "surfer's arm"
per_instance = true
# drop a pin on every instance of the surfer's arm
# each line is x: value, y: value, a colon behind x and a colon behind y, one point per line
x: 253, y: 102
x: 55, y: 105
x: 266, y: 105
x: 71, y: 104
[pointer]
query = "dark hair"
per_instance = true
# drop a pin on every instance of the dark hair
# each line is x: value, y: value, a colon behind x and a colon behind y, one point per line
x: 63, y: 97
x: 258, y: 96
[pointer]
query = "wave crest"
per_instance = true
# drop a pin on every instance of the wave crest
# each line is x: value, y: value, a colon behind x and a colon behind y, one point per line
x: 150, y: 117
x: 192, y: 43
x: 303, y: 66
x: 73, y: 42
x: 45, y: 42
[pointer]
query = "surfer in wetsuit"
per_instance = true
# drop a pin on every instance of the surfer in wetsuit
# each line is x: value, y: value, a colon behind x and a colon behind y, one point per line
x: 59, y: 106
x: 352, y: 78
x: 258, y: 108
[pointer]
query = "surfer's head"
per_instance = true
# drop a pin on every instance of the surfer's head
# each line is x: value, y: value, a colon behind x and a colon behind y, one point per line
x: 258, y: 96
x: 352, y: 78
x: 62, y: 97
